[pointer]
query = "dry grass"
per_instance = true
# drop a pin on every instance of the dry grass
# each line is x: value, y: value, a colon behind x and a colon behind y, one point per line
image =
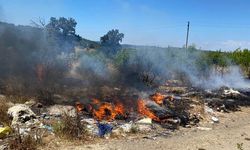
x: 19, y: 142
x: 17, y: 99
x: 4, y: 118
x: 70, y: 128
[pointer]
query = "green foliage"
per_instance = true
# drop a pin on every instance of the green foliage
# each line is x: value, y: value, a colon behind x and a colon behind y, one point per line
x: 111, y: 42
x: 61, y: 25
x: 240, y: 146
x: 238, y: 57
x: 121, y: 57
x: 112, y: 38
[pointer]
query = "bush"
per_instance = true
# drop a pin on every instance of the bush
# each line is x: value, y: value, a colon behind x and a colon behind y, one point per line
x: 70, y: 128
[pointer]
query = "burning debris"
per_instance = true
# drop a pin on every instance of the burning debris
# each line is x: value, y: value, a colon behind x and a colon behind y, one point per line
x: 162, y: 111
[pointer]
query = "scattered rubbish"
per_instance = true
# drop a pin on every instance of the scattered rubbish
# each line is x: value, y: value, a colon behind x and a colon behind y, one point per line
x: 4, y: 131
x: 30, y: 103
x: 89, y: 120
x: 21, y: 114
x: 145, y: 121
x: 208, y: 110
x: 60, y: 110
x: 4, y: 147
x: 24, y: 131
x: 204, y: 128
x: 49, y: 128
x: 104, y: 129
x: 216, y: 120
x: 231, y: 92
x: 126, y: 127
x: 150, y: 137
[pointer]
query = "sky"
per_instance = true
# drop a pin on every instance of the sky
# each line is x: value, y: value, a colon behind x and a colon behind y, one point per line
x: 214, y: 24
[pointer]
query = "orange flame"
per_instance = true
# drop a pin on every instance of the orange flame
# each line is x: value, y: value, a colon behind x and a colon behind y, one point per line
x: 119, y: 109
x: 79, y: 107
x: 145, y: 111
x: 107, y: 111
x: 95, y: 101
x: 158, y: 98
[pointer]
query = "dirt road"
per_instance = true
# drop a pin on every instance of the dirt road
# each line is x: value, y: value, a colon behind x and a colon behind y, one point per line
x: 232, y: 133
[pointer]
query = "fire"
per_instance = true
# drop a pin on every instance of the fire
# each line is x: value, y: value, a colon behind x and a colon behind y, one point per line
x: 119, y: 109
x: 95, y: 101
x: 158, y: 98
x: 145, y: 111
x: 107, y: 111
x: 79, y: 107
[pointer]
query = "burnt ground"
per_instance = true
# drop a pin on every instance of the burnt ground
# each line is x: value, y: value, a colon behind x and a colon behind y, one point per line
x: 231, y: 133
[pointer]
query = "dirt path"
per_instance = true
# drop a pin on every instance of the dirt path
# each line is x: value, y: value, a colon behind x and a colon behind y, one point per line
x: 233, y: 128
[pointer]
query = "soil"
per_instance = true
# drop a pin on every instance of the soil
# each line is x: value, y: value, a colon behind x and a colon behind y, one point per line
x: 231, y: 133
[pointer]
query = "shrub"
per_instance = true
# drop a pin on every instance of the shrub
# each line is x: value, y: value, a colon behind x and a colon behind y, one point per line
x: 70, y: 128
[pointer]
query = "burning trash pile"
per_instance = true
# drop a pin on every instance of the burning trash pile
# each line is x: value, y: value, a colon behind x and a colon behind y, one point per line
x: 167, y: 109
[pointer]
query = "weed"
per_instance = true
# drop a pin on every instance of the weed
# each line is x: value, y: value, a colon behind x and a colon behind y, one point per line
x: 3, y: 113
x: 70, y: 128
x: 240, y: 146
x: 19, y: 142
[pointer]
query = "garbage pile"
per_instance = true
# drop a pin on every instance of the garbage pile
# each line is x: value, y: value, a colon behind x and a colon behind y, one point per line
x: 167, y: 109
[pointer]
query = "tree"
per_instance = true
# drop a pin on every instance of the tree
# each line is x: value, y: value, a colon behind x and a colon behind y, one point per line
x: 61, y: 26
x: 111, y: 41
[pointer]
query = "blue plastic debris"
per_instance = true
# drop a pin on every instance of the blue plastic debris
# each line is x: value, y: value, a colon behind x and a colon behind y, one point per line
x: 104, y: 129
x: 49, y: 128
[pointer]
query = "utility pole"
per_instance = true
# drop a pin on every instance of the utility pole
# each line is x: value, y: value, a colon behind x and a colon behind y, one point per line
x: 187, y: 35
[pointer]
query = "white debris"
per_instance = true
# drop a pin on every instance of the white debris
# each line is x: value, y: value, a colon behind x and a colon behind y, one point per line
x: 126, y: 127
x: 92, y: 129
x: 231, y: 92
x: 60, y: 110
x: 208, y: 110
x: 30, y: 103
x: 216, y: 120
x: 21, y: 114
x: 24, y: 131
x: 89, y: 120
x: 145, y: 121
x: 204, y: 128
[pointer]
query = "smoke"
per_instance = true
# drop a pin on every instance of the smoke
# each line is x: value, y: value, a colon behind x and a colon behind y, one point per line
x: 33, y: 59
x: 182, y: 64
x: 89, y: 66
x: 233, y: 77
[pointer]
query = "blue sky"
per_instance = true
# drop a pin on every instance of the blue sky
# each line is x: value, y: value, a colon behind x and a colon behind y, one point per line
x: 215, y: 24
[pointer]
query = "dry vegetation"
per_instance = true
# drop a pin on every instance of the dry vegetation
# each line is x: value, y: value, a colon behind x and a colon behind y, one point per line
x: 70, y: 128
